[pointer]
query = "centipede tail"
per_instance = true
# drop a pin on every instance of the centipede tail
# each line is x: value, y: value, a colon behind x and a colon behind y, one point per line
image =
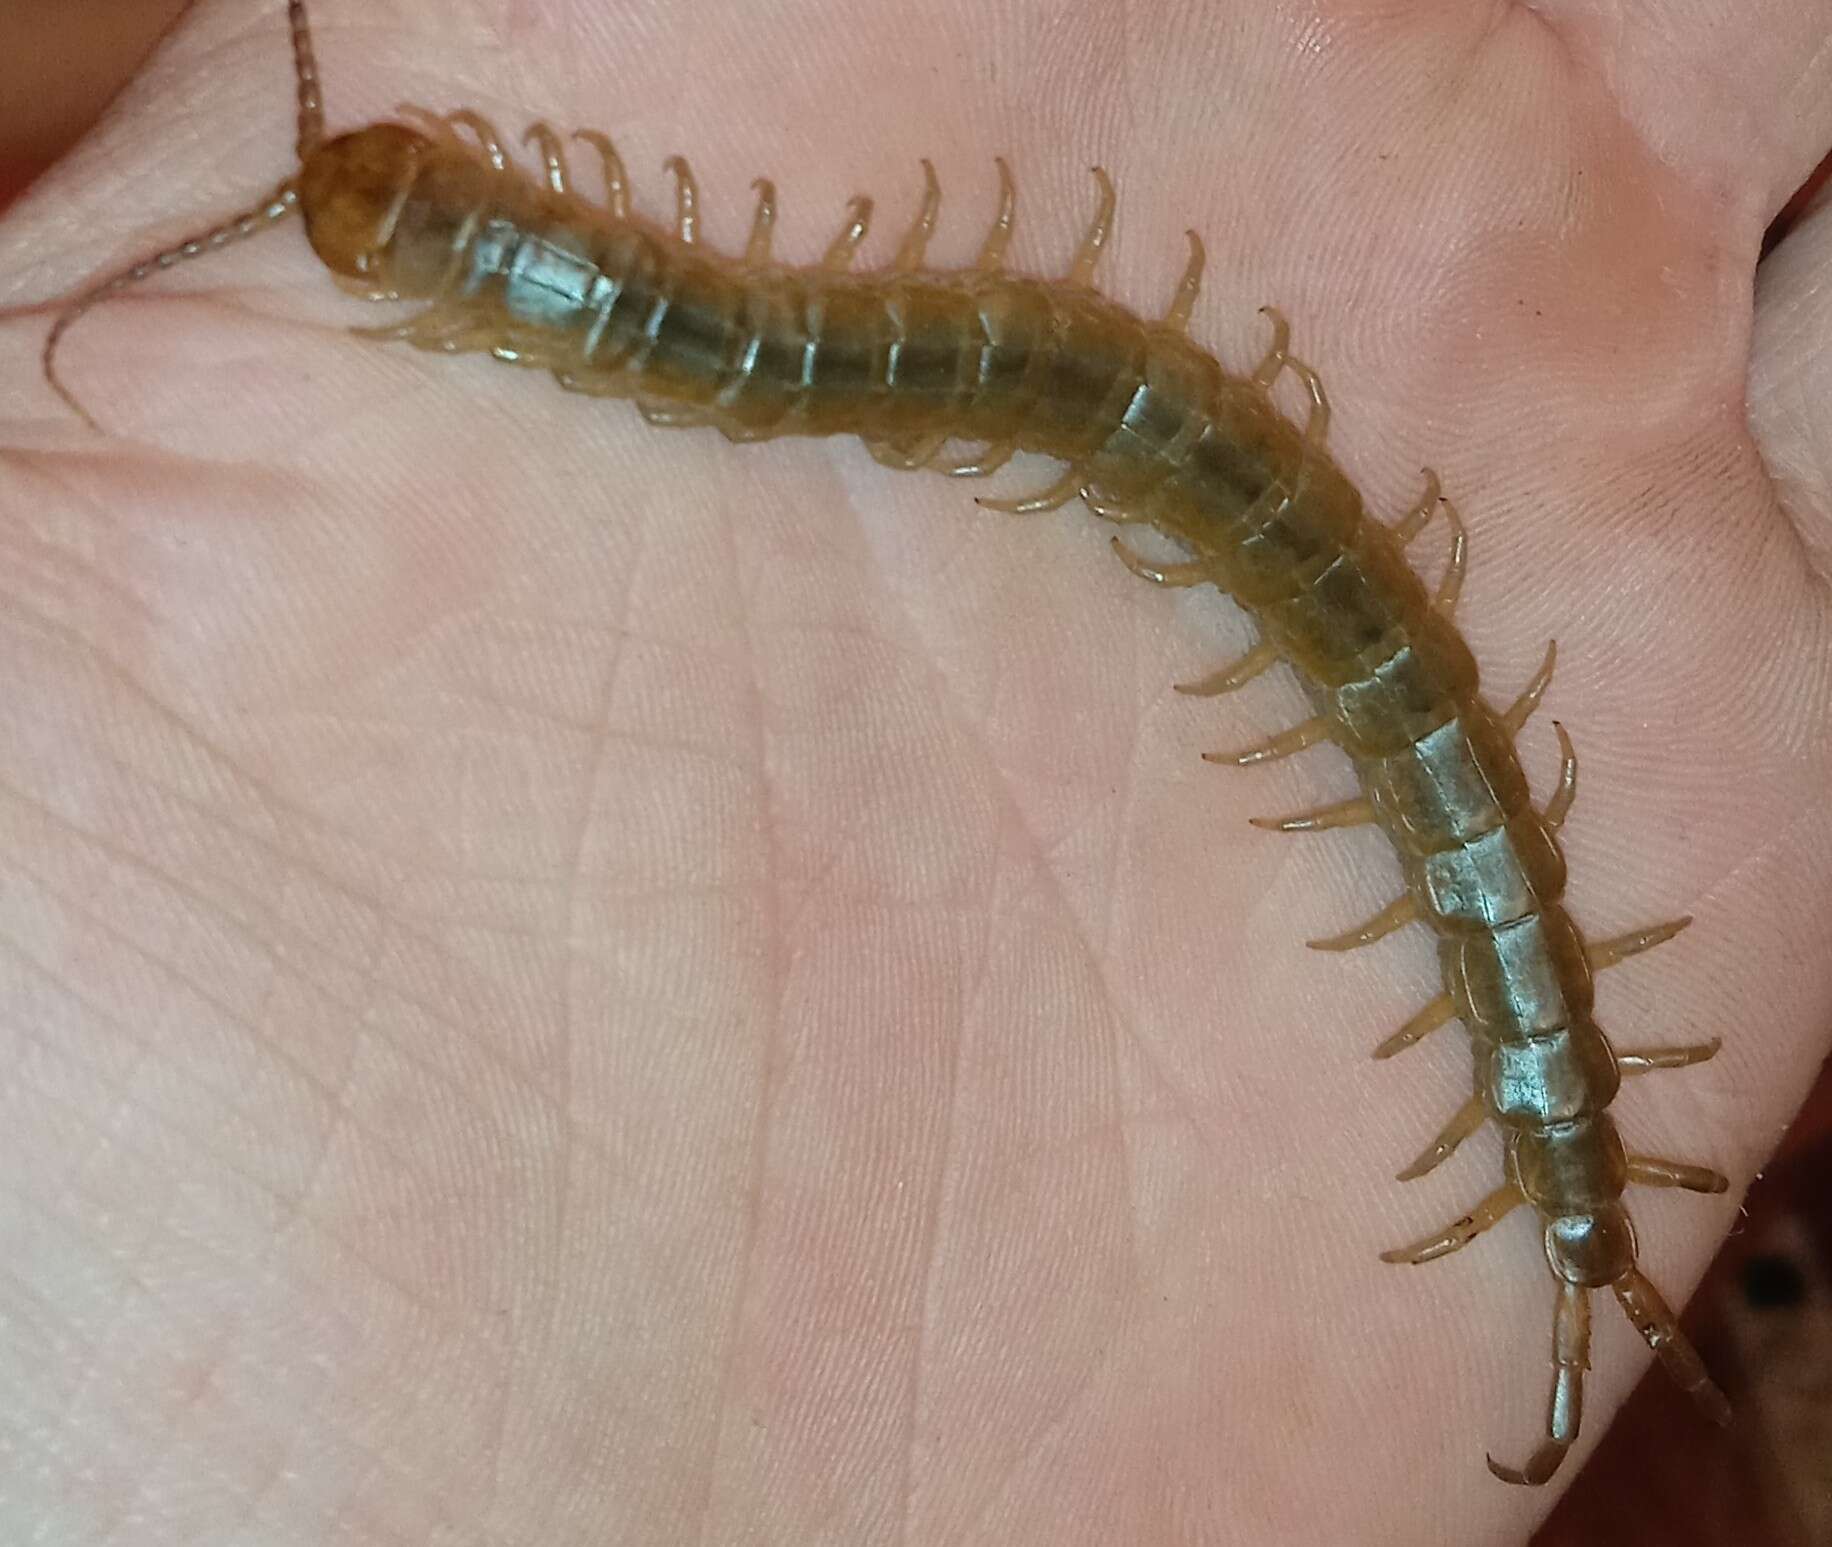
x: 1149, y: 428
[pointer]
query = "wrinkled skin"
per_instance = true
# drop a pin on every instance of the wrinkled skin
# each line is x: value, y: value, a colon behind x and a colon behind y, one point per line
x: 565, y: 982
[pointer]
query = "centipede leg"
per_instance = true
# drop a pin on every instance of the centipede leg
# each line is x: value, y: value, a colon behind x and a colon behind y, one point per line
x: 1183, y: 303
x: 1305, y: 734
x: 553, y: 161
x: 988, y: 460
x: 844, y: 247
x: 1646, y: 1060
x: 1460, y: 1232
x: 1357, y: 812
x: 916, y: 241
x: 1198, y: 572
x: 744, y: 435
x: 1054, y: 497
x: 436, y: 124
x: 409, y: 332
x: 1277, y: 359
x: 1435, y: 1014
x: 671, y: 416
x: 1650, y: 1172
x: 487, y: 137
x: 763, y: 223
x: 686, y: 200
x: 1521, y: 710
x: 1450, y: 586
x: 1235, y: 674
x: 1316, y: 425
x: 1469, y: 1117
x: 1570, y: 1359
x: 1559, y: 806
x: 616, y: 179
x: 590, y: 387
x: 1396, y: 915
x: 924, y: 451
x: 998, y: 239
x: 1414, y: 521
x: 906, y: 457
x: 434, y: 328
x: 1087, y: 253
x: 1115, y: 510
x: 1653, y: 1318
x: 1266, y: 373
x: 1607, y: 953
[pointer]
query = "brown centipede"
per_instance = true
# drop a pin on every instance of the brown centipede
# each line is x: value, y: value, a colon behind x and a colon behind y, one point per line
x: 1151, y: 430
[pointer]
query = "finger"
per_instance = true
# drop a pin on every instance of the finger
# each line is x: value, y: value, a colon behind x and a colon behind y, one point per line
x: 1790, y: 380
x: 76, y: 57
x: 1742, y: 93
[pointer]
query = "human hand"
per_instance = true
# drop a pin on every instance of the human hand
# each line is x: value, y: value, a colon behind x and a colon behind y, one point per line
x: 577, y: 983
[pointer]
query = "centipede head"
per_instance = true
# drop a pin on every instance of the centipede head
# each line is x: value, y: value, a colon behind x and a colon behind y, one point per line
x: 351, y: 192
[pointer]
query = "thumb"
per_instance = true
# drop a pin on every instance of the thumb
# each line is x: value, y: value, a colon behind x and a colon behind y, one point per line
x: 1790, y: 380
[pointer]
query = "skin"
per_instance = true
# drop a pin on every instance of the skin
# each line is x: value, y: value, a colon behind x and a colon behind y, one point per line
x: 565, y: 981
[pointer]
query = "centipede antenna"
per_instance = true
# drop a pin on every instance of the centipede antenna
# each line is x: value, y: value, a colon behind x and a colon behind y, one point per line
x: 275, y: 207
x: 305, y: 71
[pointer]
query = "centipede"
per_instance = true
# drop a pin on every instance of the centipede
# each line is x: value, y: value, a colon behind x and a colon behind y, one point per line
x: 1149, y: 430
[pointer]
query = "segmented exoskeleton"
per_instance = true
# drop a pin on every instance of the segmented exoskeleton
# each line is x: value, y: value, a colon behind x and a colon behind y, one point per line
x: 1151, y: 430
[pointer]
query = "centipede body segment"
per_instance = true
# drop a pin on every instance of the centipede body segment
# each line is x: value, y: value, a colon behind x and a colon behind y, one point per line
x: 1150, y: 430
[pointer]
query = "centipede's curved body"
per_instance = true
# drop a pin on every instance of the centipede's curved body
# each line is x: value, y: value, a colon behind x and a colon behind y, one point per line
x: 1152, y: 430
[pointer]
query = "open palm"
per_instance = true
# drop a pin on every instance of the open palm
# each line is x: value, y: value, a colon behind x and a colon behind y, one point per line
x: 571, y: 983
